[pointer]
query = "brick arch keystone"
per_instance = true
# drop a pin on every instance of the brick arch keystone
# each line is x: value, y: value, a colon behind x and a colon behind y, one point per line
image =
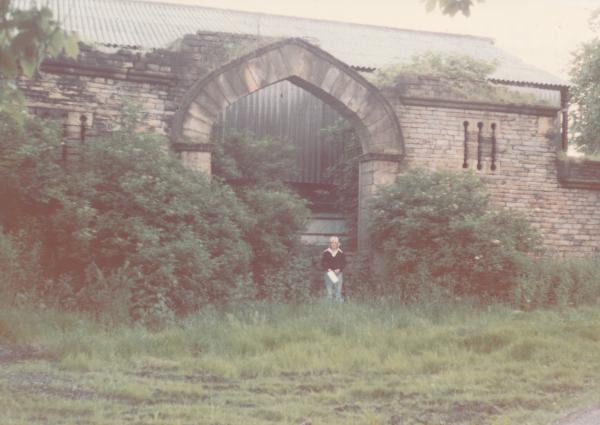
x: 305, y: 65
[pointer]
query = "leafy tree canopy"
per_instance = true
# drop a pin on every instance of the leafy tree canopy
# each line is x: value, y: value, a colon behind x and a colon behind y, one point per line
x: 27, y: 37
x: 585, y: 93
x: 451, y: 7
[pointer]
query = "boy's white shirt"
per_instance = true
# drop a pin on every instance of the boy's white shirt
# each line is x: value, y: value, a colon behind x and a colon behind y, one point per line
x: 333, y: 254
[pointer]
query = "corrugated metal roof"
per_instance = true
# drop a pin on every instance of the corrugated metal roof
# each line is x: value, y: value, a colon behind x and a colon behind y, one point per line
x: 158, y: 25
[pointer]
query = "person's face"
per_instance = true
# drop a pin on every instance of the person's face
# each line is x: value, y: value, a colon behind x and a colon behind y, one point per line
x: 333, y: 244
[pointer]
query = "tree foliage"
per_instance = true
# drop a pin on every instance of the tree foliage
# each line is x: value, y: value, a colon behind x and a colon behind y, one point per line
x: 438, y: 228
x: 585, y: 97
x: 451, y: 7
x: 27, y: 37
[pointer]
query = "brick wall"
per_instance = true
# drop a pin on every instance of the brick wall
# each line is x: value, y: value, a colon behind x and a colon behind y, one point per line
x: 526, y: 177
x: 560, y: 197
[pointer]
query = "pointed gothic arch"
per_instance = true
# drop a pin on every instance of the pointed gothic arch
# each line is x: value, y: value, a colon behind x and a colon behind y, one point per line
x: 305, y: 65
x: 316, y: 71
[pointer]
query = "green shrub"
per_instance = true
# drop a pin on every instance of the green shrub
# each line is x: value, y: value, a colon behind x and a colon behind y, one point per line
x: 132, y: 203
x: 20, y: 266
x: 468, y: 77
x: 278, y: 216
x: 455, y: 66
x: 438, y: 229
x: 562, y: 282
x: 294, y: 282
x: 240, y: 155
x: 126, y: 219
x: 257, y: 169
x: 343, y: 174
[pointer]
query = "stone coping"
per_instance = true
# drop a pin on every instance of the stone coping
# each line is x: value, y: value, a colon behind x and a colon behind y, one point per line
x: 537, y: 110
x: 69, y: 67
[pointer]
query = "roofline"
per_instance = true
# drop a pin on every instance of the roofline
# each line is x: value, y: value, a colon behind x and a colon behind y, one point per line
x: 523, y: 83
x: 193, y: 6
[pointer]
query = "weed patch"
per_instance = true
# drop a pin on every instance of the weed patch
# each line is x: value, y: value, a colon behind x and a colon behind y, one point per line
x: 264, y: 364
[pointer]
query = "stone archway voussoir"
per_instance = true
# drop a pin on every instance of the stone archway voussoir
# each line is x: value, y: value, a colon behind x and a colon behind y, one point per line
x: 248, y: 79
x: 340, y: 86
x: 232, y: 85
x: 354, y: 96
x: 373, y: 114
x: 331, y: 76
x: 268, y: 68
x: 298, y: 60
x: 200, y: 112
x: 213, y: 90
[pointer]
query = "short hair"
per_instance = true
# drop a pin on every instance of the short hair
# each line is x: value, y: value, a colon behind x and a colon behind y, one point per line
x: 334, y: 239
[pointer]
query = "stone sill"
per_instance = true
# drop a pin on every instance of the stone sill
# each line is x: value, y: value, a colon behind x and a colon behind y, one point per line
x: 578, y: 173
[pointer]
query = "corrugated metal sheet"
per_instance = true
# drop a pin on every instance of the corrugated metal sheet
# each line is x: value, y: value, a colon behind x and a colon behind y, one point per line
x: 286, y: 112
x: 155, y: 25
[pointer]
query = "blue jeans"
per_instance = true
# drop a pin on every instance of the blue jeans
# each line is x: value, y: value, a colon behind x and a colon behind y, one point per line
x: 334, y: 290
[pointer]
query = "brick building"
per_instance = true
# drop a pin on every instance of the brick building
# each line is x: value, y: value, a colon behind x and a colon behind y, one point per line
x: 188, y: 66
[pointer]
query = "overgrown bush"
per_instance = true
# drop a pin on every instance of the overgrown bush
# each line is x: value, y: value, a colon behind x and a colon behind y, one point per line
x: 126, y: 220
x: 343, y: 174
x: 257, y: 170
x: 240, y: 156
x: 19, y: 265
x: 438, y: 229
x: 558, y: 282
x: 296, y: 281
x: 469, y: 76
x: 180, y: 236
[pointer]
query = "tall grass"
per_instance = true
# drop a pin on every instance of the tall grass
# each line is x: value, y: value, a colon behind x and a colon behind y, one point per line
x: 292, y: 361
x: 263, y: 339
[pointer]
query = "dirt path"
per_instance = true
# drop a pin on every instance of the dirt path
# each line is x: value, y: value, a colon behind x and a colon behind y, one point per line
x: 41, y: 383
x: 17, y: 353
x: 590, y: 416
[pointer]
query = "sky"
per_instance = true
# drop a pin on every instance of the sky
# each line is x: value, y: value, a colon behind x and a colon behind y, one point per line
x: 543, y: 33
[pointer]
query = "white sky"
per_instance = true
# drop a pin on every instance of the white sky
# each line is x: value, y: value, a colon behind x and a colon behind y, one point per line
x: 541, y: 32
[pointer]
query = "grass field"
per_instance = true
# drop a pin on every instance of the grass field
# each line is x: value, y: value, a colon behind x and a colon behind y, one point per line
x: 319, y: 363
